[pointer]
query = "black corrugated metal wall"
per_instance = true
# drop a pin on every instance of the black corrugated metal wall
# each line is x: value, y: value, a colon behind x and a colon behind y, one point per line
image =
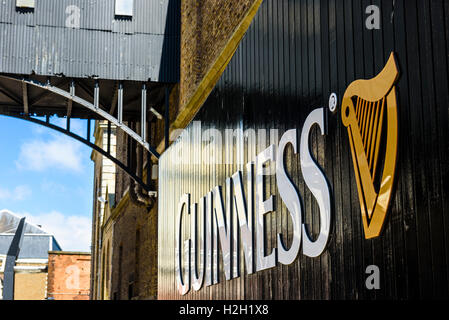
x: 294, y: 55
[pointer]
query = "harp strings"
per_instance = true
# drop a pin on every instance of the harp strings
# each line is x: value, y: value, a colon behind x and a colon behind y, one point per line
x: 370, y: 118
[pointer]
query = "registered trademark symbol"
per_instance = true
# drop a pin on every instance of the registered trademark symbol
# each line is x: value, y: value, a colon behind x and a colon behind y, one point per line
x: 333, y: 102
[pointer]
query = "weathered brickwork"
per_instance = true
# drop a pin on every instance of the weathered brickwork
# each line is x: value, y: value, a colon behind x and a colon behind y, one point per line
x: 68, y: 275
x: 104, y: 180
x: 134, y: 258
x: 206, y: 27
x: 121, y: 177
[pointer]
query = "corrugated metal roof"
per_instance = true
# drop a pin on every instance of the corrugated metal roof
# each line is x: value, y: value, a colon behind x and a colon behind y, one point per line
x: 142, y: 48
x: 36, y: 241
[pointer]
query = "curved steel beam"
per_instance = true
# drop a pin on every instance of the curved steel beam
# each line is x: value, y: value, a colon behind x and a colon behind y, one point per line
x: 86, y: 142
x: 88, y: 105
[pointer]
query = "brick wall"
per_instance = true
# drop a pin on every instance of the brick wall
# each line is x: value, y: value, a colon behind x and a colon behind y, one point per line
x: 104, y: 178
x: 206, y: 26
x: 68, y: 276
x: 134, y: 266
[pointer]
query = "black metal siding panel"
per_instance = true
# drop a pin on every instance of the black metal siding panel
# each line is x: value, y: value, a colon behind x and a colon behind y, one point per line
x: 293, y: 56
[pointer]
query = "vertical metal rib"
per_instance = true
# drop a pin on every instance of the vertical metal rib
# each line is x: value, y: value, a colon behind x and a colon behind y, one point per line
x: 70, y: 103
x: 96, y: 94
x: 25, y: 98
x: 88, y: 130
x: 120, y: 103
x: 109, y: 137
x: 144, y: 112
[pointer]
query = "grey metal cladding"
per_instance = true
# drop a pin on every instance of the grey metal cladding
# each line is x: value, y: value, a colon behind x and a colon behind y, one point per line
x: 36, y: 247
x: 142, y: 48
x: 33, y: 246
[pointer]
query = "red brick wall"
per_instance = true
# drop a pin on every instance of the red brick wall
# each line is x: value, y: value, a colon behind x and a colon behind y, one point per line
x: 68, y: 276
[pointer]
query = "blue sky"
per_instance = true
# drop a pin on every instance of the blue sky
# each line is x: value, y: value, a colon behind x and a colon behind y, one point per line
x: 124, y: 7
x: 48, y: 177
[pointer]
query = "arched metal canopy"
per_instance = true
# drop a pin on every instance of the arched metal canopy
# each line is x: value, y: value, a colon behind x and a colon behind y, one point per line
x: 87, y: 142
x: 95, y: 107
x: 51, y: 99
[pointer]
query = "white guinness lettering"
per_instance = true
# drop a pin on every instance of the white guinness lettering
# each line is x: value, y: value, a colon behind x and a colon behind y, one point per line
x: 218, y: 217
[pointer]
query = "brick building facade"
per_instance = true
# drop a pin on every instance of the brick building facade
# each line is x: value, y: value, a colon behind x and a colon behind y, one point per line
x: 68, y: 275
x: 210, y: 33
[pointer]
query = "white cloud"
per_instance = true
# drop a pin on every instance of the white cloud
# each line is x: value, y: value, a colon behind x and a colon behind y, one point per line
x: 73, y: 233
x: 58, y: 152
x: 19, y: 193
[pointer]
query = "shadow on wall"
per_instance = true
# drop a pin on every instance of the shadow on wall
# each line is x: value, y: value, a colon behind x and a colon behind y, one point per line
x: 170, y: 59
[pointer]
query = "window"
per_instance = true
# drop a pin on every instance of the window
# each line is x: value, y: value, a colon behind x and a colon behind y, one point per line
x: 27, y: 4
x: 124, y: 8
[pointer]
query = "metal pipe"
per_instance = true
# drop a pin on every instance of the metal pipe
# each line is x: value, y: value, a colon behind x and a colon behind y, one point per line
x: 144, y: 112
x: 120, y: 103
x: 109, y: 137
x: 88, y: 130
x: 96, y: 94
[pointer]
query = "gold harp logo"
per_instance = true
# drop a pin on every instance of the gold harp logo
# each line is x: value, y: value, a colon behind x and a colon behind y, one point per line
x: 369, y: 111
